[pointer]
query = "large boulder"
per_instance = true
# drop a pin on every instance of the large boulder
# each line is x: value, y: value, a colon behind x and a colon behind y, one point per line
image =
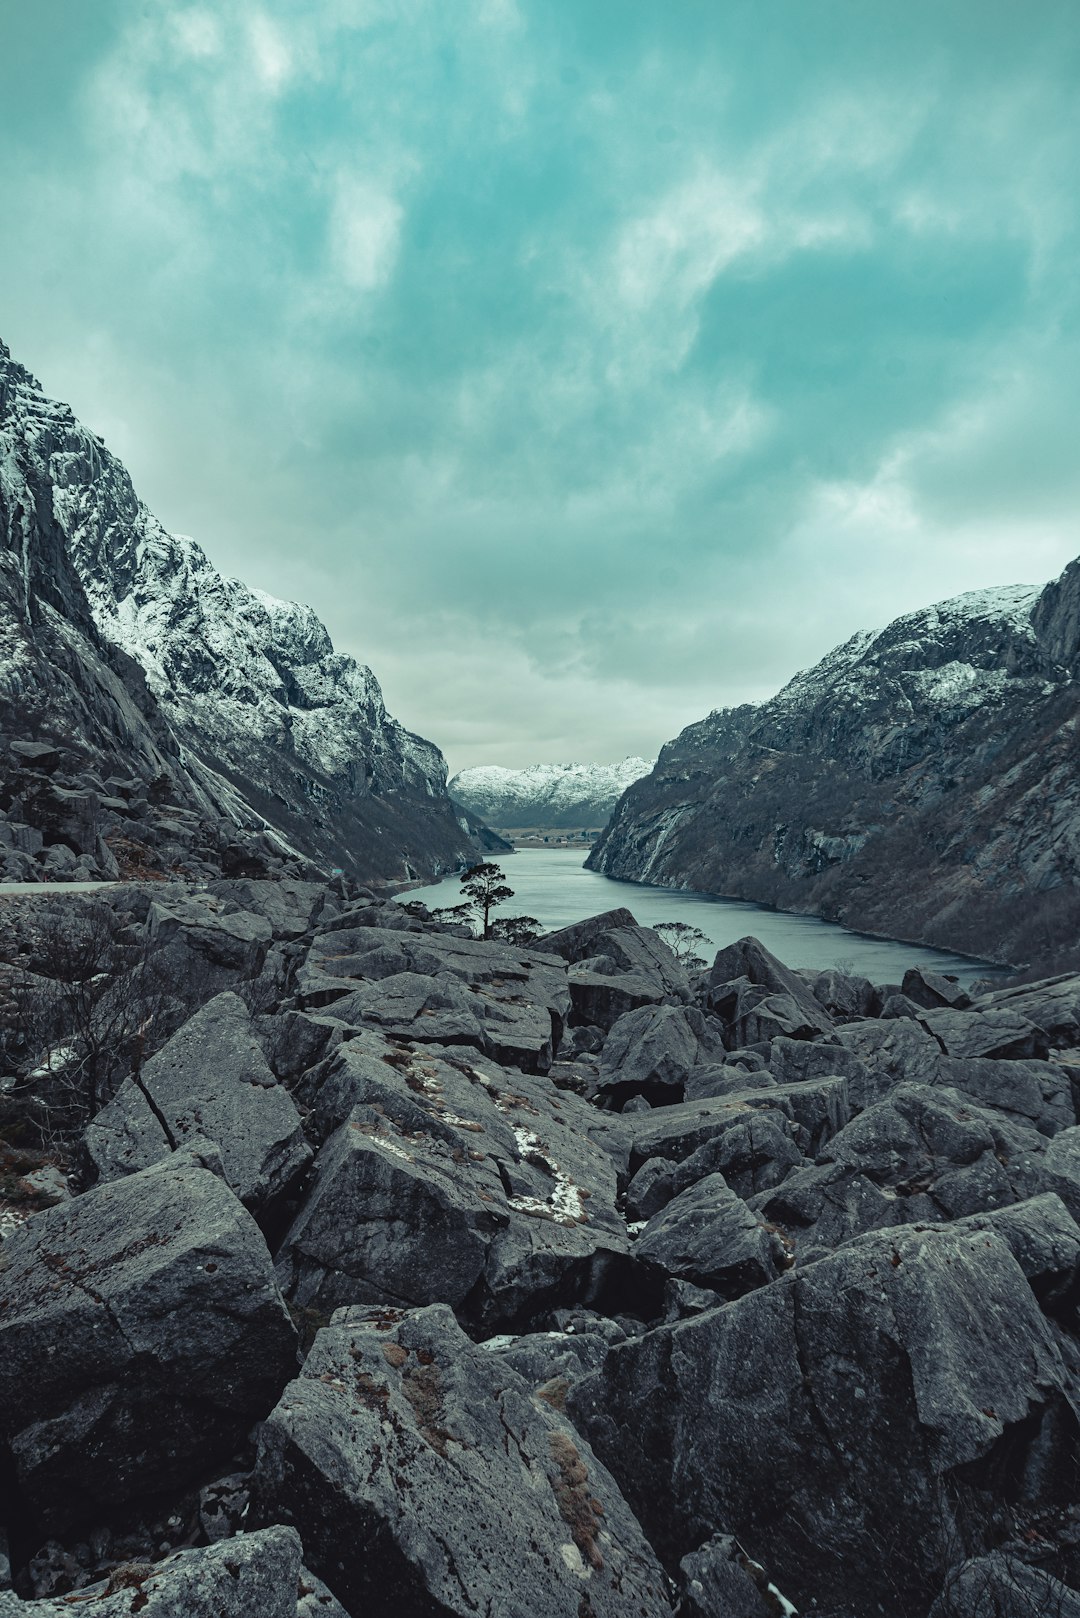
x: 709, y: 1236
x: 212, y: 1080
x: 749, y: 960
x: 426, y: 1479
x: 507, y: 1001
x: 848, y: 1423
x: 445, y: 1178
x: 578, y: 940
x: 1052, y: 1004
x: 651, y: 1051
x: 258, y: 1575
x: 986, y: 1033
x: 930, y: 1139
x: 818, y: 1109
x: 893, y: 1052
x: 598, y: 998
x: 209, y: 936
x: 141, y: 1334
x: 1003, y: 1586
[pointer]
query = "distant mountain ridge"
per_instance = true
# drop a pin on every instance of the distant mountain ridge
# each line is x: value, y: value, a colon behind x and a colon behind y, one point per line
x: 920, y: 781
x: 168, y: 668
x: 557, y: 795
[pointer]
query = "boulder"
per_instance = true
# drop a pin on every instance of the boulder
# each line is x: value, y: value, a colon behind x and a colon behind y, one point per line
x: 257, y: 1575
x: 815, y: 1209
x: 574, y: 943
x: 505, y: 1000
x: 844, y: 996
x: 818, y: 1109
x: 445, y: 1178
x: 758, y: 1151
x: 794, y: 1061
x: 709, y: 1236
x: 846, y: 1423
x: 291, y: 907
x: 650, y: 1052
x: 426, y: 1479
x: 755, y: 1016
x: 749, y: 959
x: 720, y: 1581
x: 1052, y: 1004
x: 211, y: 1079
x: 1031, y: 1092
x: 934, y: 989
x: 724, y: 1079
x: 203, y: 935
x: 141, y: 1334
x: 928, y: 1138
x: 1061, y: 1169
x: 599, y: 999
x: 991, y: 1033
x: 1044, y: 1239
x: 643, y: 952
x: 1000, y: 1584
x: 893, y: 1052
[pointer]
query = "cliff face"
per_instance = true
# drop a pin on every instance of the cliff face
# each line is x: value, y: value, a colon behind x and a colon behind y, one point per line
x: 122, y: 641
x: 556, y: 795
x: 920, y: 782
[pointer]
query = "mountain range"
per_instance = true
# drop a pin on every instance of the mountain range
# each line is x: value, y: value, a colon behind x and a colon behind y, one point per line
x: 920, y: 781
x: 551, y: 795
x: 155, y: 715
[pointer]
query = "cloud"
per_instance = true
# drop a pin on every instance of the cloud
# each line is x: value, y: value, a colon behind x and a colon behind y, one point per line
x: 587, y: 367
x: 365, y: 230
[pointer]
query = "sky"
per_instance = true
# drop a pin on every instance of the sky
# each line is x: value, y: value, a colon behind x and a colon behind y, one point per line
x: 586, y: 364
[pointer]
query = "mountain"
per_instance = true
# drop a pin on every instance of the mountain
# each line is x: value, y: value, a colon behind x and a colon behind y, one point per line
x: 919, y: 782
x: 123, y: 647
x: 555, y: 795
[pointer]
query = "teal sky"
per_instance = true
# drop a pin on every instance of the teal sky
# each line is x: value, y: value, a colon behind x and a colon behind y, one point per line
x: 587, y: 364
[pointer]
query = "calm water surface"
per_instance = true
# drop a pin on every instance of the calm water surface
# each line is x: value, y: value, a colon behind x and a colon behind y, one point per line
x: 554, y: 886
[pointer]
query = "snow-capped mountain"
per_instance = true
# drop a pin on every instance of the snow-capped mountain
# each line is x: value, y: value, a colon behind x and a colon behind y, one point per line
x: 555, y: 795
x: 920, y: 781
x: 246, y: 699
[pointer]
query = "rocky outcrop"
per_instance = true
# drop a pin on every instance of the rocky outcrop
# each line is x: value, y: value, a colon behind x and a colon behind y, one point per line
x: 155, y: 715
x: 540, y: 1316
x: 560, y: 796
x: 918, y: 782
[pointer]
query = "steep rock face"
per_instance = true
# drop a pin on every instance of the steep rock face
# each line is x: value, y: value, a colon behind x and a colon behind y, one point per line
x: 557, y: 795
x: 239, y: 695
x: 920, y: 782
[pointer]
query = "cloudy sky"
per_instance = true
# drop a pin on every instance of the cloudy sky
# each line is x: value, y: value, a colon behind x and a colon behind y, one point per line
x: 587, y: 364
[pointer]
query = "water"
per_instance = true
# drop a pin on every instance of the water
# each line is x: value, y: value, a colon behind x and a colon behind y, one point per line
x: 555, y: 887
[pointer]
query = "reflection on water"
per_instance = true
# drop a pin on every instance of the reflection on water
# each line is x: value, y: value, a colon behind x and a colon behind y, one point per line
x: 555, y: 887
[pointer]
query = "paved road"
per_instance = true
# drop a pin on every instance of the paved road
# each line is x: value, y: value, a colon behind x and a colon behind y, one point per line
x: 17, y: 889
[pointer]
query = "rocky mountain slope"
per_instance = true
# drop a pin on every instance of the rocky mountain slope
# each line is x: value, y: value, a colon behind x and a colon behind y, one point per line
x: 121, y: 644
x: 919, y: 782
x: 377, y: 1270
x: 555, y: 795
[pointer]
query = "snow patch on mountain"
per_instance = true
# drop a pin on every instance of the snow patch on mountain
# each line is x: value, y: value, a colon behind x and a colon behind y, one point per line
x: 251, y: 685
x: 546, y: 794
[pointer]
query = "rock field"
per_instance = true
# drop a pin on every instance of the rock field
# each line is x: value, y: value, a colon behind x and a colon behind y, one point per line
x: 352, y: 1265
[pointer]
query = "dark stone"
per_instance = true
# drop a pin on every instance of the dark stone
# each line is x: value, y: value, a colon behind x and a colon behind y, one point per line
x: 426, y: 1479
x: 211, y: 1079
x: 141, y: 1334
x: 709, y: 1236
x: 843, y: 1423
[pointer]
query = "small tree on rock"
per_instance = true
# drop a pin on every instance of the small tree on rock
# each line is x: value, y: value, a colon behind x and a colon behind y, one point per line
x: 683, y: 940
x: 484, y: 886
x: 516, y: 929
